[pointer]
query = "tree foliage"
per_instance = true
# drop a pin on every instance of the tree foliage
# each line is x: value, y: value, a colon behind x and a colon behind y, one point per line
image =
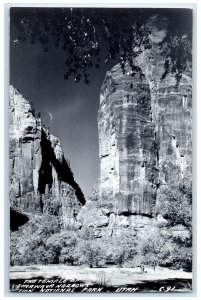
x: 153, y: 247
x: 27, y: 245
x: 39, y: 242
x: 175, y: 206
x: 92, y: 36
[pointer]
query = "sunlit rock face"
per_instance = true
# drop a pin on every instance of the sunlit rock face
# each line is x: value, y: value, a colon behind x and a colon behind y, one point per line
x: 145, y: 133
x: 128, y: 150
x: 41, y: 180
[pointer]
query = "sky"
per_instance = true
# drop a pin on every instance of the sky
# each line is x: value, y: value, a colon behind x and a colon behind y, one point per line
x: 40, y: 78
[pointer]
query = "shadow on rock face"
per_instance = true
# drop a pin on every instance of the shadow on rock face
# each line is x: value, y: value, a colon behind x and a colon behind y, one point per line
x: 17, y: 219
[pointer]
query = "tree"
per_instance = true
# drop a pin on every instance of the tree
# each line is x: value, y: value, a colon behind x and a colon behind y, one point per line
x: 153, y: 247
x: 68, y: 247
x: 61, y: 246
x: 169, y: 241
x: 91, y: 36
x: 175, y: 206
x: 89, y: 250
x: 28, y: 244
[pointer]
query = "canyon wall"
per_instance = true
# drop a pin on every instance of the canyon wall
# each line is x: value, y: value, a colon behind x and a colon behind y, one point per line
x: 41, y: 180
x: 145, y: 133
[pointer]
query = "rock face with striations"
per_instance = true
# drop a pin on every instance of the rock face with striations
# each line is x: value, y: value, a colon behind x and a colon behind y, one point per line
x: 41, y: 180
x: 145, y: 134
x: 128, y: 149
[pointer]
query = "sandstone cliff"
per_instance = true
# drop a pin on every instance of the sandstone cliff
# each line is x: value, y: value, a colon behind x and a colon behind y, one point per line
x: 145, y: 135
x: 41, y: 180
x: 128, y: 149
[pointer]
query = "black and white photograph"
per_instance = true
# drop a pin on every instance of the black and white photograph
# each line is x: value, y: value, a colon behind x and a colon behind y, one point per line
x: 100, y: 150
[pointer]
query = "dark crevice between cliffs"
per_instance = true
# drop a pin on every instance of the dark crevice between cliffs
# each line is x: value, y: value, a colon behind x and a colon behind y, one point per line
x: 63, y: 170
